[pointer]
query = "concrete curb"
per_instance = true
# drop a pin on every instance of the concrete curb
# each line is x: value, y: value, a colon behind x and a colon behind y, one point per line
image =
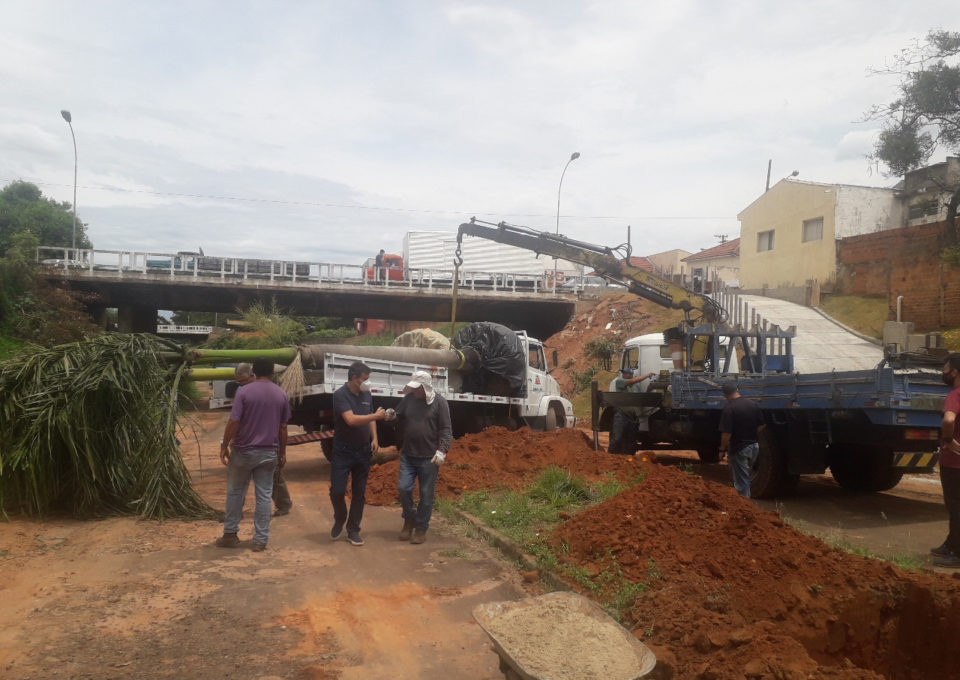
x: 874, y: 341
x: 511, y: 550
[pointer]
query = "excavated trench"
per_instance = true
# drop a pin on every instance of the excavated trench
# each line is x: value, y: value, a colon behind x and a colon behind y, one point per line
x: 732, y: 592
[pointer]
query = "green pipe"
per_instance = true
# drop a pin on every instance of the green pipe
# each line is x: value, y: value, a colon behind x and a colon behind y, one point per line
x: 206, y: 374
x: 283, y: 355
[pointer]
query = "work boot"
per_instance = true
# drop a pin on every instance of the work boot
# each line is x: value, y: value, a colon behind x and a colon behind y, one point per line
x: 950, y: 561
x: 280, y: 512
x: 408, y: 525
x: 419, y: 536
x: 941, y: 550
x: 258, y: 546
x: 228, y: 541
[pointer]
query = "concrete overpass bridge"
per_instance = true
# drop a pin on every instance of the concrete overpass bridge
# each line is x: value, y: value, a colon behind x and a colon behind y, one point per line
x: 139, y: 284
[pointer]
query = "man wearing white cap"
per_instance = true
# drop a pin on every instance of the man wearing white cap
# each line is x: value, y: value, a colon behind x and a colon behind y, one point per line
x: 424, y: 435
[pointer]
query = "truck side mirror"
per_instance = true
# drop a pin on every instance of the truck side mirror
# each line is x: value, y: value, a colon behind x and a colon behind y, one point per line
x: 555, y: 358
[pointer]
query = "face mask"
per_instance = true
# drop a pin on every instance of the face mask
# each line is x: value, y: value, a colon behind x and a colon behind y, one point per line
x: 365, y: 386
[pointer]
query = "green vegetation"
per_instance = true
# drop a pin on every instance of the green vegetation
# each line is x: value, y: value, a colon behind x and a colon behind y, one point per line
x: 527, y: 518
x: 581, y: 399
x: 90, y: 429
x: 861, y: 313
x: 8, y: 346
x: 603, y: 350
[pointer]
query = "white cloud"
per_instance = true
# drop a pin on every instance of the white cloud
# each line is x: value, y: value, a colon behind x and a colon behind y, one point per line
x: 337, y: 119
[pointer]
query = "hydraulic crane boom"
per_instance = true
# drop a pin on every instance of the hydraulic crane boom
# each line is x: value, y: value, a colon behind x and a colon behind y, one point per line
x: 612, y: 264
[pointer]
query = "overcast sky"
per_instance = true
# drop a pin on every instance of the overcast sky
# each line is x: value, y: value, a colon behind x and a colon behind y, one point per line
x: 326, y: 130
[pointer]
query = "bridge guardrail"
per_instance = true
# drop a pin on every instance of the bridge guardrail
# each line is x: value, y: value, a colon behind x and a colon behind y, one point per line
x: 194, y: 265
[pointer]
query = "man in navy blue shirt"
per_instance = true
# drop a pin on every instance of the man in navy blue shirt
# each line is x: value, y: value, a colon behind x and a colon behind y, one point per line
x: 354, y: 443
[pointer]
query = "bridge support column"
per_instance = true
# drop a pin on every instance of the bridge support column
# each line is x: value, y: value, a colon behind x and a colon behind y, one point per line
x: 137, y: 319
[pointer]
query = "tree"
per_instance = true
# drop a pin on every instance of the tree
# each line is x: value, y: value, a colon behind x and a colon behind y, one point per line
x: 925, y: 116
x: 23, y: 208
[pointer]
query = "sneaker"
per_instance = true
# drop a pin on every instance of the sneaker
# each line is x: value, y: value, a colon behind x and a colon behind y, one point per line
x: 941, y: 550
x: 258, y: 546
x: 407, y: 530
x: 355, y: 538
x: 950, y: 561
x: 228, y: 541
x: 280, y: 512
x: 418, y: 537
x: 336, y: 532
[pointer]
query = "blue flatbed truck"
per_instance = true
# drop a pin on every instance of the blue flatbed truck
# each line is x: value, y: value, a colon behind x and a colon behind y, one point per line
x: 868, y: 427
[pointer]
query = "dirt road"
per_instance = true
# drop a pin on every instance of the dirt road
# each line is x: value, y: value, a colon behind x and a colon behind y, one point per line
x: 125, y: 599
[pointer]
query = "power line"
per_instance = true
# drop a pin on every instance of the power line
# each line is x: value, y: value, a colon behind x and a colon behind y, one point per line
x: 359, y: 206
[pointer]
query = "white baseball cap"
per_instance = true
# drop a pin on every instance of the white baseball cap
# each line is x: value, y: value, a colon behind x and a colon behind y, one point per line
x: 422, y: 379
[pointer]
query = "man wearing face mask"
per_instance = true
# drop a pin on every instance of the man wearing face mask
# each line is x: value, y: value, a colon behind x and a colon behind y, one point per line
x: 354, y: 443
x: 424, y: 435
x: 948, y: 554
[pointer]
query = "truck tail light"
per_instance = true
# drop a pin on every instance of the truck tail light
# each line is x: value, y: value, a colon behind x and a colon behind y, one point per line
x: 925, y: 435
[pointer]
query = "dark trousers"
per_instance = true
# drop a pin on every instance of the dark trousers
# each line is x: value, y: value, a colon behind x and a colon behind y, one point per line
x: 353, y: 464
x: 950, y: 481
x: 281, y: 495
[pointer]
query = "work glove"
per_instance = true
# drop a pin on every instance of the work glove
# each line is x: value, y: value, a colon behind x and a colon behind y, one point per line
x: 438, y: 458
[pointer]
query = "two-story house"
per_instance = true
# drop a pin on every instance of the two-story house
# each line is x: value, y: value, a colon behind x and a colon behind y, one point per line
x: 788, y: 234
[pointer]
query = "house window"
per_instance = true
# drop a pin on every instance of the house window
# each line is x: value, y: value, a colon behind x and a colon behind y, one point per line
x: 813, y: 230
x: 923, y: 209
x: 765, y: 240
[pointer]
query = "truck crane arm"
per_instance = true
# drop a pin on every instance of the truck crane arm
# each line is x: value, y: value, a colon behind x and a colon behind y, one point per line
x: 612, y: 264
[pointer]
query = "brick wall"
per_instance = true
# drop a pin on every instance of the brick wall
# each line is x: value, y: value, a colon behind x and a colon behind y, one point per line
x: 903, y: 262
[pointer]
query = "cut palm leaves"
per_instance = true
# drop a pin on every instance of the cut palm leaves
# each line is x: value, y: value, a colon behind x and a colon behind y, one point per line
x: 89, y: 429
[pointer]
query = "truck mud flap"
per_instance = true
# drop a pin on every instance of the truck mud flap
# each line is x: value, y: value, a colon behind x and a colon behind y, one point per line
x: 915, y: 462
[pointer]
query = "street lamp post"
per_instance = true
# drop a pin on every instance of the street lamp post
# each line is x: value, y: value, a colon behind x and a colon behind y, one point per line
x: 574, y: 156
x: 67, y: 117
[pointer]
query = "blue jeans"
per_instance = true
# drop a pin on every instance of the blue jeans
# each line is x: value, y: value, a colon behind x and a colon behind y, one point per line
x: 258, y: 464
x: 411, y: 470
x: 741, y: 465
x: 351, y: 463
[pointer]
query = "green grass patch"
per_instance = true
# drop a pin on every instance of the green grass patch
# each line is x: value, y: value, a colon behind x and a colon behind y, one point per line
x: 527, y: 517
x: 861, y: 313
x: 9, y: 346
x: 581, y: 400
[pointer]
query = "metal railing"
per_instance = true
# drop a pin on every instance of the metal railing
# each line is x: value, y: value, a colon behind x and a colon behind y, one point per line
x: 168, y: 329
x: 125, y: 263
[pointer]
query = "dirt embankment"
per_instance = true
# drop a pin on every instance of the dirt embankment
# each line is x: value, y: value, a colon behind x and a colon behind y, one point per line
x: 731, y: 591
x: 613, y: 316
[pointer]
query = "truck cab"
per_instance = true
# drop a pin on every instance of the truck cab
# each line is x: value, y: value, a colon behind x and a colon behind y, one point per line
x: 543, y: 408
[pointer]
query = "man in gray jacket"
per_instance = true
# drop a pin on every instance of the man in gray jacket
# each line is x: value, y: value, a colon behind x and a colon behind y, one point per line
x: 424, y: 435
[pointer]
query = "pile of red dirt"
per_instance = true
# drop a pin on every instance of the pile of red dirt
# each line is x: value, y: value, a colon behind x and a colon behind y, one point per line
x: 498, y: 457
x: 735, y: 593
x: 732, y: 591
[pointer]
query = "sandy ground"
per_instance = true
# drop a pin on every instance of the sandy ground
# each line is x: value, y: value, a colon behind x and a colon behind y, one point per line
x: 120, y: 598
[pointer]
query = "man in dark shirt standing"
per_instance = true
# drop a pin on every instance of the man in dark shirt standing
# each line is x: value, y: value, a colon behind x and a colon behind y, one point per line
x: 740, y: 425
x: 354, y: 443
x: 424, y: 436
x: 948, y: 554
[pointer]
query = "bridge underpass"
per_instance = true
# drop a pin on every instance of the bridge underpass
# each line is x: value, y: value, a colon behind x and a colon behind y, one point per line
x: 139, y: 295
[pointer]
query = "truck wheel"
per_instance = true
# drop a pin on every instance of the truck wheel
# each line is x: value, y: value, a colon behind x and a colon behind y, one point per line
x: 864, y: 471
x: 326, y: 445
x: 771, y: 477
x: 550, y: 420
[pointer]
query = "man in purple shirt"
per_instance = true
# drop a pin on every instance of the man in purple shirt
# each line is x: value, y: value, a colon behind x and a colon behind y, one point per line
x: 258, y: 431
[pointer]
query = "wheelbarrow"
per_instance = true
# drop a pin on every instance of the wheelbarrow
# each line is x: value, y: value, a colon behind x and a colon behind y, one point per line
x: 562, y: 636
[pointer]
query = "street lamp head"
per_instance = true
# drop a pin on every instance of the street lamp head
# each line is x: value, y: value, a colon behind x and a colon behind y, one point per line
x: 574, y: 156
x: 66, y: 115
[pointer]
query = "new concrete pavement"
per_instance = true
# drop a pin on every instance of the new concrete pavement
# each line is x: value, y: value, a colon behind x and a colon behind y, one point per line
x: 821, y: 345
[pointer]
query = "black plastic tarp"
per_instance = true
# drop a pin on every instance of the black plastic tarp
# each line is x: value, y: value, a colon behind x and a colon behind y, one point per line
x: 503, y: 359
